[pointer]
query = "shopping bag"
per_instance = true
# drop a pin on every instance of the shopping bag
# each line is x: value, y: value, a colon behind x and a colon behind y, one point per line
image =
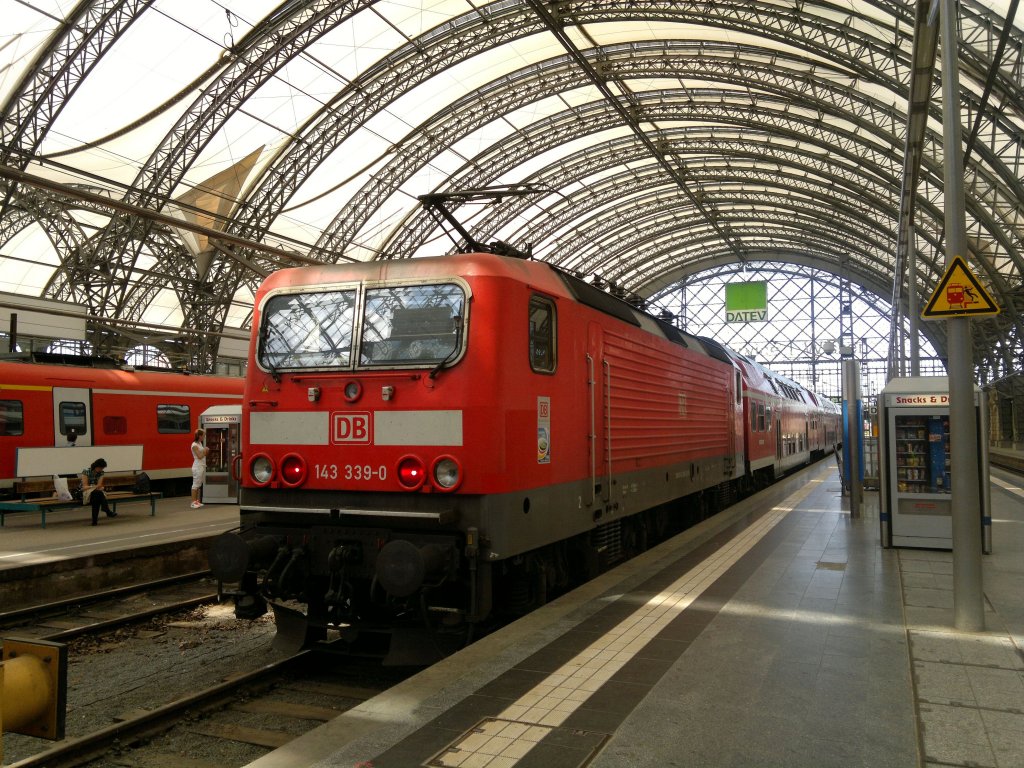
x: 60, y: 487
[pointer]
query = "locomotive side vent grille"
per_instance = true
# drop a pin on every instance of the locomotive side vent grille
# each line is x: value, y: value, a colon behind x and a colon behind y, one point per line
x: 726, y: 495
x: 607, y: 540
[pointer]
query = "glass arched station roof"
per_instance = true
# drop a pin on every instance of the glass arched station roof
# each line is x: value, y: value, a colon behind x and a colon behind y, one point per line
x: 160, y: 157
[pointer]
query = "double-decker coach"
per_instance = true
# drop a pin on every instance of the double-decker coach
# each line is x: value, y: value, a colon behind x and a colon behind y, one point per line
x: 104, y: 408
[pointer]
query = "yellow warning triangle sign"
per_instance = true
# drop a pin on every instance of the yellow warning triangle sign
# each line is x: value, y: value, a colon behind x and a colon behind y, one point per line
x: 959, y: 294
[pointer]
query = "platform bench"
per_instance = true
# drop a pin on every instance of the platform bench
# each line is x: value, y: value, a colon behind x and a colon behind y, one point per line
x: 40, y: 496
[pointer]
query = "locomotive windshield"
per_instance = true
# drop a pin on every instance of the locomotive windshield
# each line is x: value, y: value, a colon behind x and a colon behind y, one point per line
x: 307, y: 330
x: 411, y: 323
x: 400, y: 326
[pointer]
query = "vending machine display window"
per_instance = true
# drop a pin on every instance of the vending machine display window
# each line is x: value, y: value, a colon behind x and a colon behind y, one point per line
x: 223, y: 425
x: 922, y: 454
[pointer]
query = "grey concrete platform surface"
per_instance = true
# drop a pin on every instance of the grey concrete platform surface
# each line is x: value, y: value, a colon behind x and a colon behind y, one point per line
x: 68, y: 534
x: 778, y: 633
x: 70, y: 557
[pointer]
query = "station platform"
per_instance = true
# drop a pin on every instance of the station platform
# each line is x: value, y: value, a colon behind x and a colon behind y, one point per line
x: 70, y: 557
x: 68, y: 533
x: 777, y: 633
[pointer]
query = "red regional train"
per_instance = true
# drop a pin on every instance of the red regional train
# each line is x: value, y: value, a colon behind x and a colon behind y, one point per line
x: 134, y: 417
x: 434, y: 441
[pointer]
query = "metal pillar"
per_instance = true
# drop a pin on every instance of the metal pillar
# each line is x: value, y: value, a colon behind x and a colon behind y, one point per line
x: 968, y: 600
x: 854, y: 430
x: 913, y: 312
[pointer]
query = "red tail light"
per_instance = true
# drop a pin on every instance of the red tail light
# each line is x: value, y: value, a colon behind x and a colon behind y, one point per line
x: 411, y: 472
x: 293, y: 470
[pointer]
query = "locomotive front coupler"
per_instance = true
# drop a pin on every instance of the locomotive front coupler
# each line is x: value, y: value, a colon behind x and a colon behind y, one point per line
x: 292, y: 580
x: 342, y: 555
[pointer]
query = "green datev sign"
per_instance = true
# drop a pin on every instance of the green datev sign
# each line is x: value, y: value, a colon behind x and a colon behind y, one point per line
x: 746, y: 302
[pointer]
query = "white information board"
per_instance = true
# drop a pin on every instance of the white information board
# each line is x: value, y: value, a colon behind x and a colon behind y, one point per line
x: 32, y: 462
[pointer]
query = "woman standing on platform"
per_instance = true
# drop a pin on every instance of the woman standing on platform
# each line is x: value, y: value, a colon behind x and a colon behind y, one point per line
x: 92, y: 489
x: 199, y: 454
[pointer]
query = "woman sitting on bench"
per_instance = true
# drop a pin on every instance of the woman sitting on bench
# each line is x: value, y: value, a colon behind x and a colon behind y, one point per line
x: 92, y: 489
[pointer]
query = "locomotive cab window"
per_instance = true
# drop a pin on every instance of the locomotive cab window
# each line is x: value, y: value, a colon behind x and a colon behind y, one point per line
x: 542, y: 335
x: 12, y: 418
x: 307, y: 330
x: 412, y: 324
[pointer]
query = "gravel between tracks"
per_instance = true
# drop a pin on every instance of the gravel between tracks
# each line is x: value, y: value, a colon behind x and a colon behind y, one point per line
x: 147, y: 666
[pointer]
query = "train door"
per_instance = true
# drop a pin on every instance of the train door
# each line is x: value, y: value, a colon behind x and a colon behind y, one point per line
x: 599, y: 409
x: 72, y: 412
x: 779, y: 443
x: 737, y: 424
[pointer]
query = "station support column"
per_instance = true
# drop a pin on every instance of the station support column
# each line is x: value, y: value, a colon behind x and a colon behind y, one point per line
x: 968, y: 600
x: 854, y: 433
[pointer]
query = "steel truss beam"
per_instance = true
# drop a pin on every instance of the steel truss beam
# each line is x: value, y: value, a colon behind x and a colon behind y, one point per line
x: 866, y: 54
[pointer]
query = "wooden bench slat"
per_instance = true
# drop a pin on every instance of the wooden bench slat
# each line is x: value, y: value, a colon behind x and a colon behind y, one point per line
x: 46, y: 500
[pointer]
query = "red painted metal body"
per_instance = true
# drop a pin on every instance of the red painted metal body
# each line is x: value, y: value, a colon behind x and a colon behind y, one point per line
x: 620, y: 398
x: 107, y: 407
x: 547, y: 428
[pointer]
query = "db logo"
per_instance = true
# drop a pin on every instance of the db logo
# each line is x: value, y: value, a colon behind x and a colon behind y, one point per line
x: 350, y: 428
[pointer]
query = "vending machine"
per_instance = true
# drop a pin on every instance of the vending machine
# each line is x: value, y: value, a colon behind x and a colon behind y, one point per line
x: 915, y: 483
x: 223, y: 425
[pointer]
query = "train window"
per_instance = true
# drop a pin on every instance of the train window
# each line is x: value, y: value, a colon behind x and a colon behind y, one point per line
x: 753, y: 416
x: 307, y: 330
x: 409, y: 324
x: 12, y: 418
x: 760, y: 417
x: 173, y: 419
x: 768, y: 418
x: 71, y: 415
x: 739, y: 388
x: 115, y: 425
x: 542, y: 334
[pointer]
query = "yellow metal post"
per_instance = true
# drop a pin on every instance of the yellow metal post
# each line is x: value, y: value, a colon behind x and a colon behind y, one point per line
x: 33, y: 689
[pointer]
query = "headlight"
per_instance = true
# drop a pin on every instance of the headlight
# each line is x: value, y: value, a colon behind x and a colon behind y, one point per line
x: 353, y: 390
x: 447, y: 473
x: 261, y: 469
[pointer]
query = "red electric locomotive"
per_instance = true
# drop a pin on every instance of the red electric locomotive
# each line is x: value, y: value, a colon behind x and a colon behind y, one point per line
x: 432, y: 441
x: 145, y: 419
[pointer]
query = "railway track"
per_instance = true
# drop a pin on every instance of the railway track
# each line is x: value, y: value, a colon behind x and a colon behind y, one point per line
x: 160, y: 674
x: 226, y: 724
x: 101, y: 611
x: 1014, y: 462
